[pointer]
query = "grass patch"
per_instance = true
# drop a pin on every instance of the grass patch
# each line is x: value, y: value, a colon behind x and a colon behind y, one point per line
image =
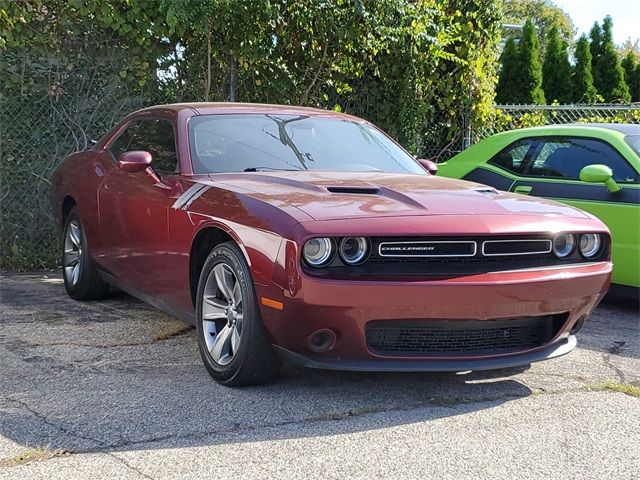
x: 620, y: 387
x: 30, y: 455
x: 172, y: 330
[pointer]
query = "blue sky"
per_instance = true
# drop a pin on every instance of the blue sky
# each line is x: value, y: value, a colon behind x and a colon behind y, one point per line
x: 625, y: 15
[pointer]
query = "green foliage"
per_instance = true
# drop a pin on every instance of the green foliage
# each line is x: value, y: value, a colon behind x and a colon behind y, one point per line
x: 631, y: 68
x: 509, y: 60
x: 415, y: 90
x: 556, y: 70
x: 608, y: 75
x: 583, y: 89
x: 528, y: 76
x: 595, y: 47
x: 544, y: 14
x: 75, y: 67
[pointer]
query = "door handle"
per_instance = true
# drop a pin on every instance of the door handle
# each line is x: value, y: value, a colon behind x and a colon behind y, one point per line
x: 523, y: 189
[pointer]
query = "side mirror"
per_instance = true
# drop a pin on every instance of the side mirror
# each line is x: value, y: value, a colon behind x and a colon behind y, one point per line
x: 134, y: 161
x: 598, y: 173
x: 429, y: 165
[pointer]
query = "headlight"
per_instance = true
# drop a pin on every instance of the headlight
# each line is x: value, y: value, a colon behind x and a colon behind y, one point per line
x: 590, y: 244
x: 563, y: 244
x: 317, y: 251
x: 353, y: 250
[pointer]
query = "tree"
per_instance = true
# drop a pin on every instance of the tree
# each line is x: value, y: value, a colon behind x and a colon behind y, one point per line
x: 505, y: 91
x: 595, y: 47
x: 544, y: 15
x: 609, y: 73
x: 583, y: 89
x: 632, y: 75
x: 528, y: 77
x: 556, y: 70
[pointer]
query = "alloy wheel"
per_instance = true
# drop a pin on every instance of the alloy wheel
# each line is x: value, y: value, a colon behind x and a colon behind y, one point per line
x: 72, y: 260
x: 222, y: 314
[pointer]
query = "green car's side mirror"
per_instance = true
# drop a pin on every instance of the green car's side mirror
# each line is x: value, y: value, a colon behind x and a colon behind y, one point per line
x: 600, y: 174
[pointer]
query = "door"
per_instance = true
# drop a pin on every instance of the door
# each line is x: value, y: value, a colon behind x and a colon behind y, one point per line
x: 551, y: 169
x: 133, y: 207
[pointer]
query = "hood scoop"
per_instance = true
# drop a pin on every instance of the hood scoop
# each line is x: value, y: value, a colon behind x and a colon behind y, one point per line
x: 355, y: 190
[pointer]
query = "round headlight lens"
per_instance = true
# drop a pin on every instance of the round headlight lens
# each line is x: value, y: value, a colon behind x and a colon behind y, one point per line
x: 563, y: 244
x: 353, y: 250
x: 317, y: 251
x: 590, y: 244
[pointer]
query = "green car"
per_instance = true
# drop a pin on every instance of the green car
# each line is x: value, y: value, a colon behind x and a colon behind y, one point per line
x: 595, y: 167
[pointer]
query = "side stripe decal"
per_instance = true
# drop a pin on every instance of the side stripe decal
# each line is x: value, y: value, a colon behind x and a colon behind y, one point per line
x: 186, y: 196
x: 197, y: 195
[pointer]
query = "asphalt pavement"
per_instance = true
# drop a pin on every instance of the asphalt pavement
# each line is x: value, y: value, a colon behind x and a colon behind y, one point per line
x: 115, y: 389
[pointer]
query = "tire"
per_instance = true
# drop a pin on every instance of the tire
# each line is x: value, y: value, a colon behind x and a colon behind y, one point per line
x: 81, y: 278
x: 231, y: 338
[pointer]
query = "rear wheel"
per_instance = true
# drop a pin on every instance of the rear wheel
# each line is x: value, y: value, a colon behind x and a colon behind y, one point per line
x: 81, y: 278
x: 231, y: 337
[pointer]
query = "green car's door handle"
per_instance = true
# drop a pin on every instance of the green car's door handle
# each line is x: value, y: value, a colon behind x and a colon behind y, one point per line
x: 523, y: 189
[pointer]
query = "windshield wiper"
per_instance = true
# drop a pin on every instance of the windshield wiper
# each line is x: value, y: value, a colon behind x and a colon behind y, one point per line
x: 261, y: 169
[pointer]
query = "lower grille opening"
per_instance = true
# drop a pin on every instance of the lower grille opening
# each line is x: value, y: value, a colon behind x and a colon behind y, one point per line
x: 434, y: 338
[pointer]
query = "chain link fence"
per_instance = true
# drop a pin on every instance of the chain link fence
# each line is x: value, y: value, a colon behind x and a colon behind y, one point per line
x: 53, y: 112
x: 463, y: 132
x: 40, y: 126
x: 509, y: 117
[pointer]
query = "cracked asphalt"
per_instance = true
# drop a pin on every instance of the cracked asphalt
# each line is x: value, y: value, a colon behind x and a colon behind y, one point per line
x: 116, y: 389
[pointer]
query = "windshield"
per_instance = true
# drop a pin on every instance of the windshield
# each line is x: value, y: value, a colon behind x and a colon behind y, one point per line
x: 256, y: 142
x: 634, y: 143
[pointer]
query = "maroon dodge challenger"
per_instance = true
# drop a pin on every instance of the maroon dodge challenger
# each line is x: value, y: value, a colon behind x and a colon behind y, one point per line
x: 307, y: 236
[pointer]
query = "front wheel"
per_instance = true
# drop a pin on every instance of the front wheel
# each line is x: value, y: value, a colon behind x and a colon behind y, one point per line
x: 231, y: 337
x: 81, y: 278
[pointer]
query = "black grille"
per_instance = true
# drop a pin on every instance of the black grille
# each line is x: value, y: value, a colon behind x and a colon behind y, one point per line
x: 447, y: 257
x: 516, y: 247
x: 461, y: 337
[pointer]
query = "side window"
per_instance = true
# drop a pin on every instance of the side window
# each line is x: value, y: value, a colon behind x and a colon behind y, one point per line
x: 122, y: 143
x: 513, y: 157
x: 565, y: 157
x: 156, y: 136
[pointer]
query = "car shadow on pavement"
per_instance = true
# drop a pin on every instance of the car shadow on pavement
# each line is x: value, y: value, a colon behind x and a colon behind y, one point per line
x: 119, y: 375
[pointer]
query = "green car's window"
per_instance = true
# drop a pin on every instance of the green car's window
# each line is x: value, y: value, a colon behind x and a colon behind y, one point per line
x: 513, y: 157
x: 634, y: 142
x: 565, y: 157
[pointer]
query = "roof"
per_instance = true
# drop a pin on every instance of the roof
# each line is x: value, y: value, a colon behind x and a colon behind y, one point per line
x: 625, y: 128
x: 208, y: 108
x: 617, y: 129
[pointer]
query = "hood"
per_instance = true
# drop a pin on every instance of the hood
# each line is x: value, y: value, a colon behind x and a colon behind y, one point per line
x: 343, y: 195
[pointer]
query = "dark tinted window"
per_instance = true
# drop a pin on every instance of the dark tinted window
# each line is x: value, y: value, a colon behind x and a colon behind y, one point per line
x: 513, y: 158
x: 233, y: 143
x: 565, y: 157
x: 155, y: 136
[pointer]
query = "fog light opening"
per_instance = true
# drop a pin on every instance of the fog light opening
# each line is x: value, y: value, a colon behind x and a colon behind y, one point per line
x: 322, y: 340
x: 578, y: 325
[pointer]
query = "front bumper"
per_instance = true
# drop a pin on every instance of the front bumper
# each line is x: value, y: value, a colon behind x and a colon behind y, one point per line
x: 554, y: 350
x: 311, y: 304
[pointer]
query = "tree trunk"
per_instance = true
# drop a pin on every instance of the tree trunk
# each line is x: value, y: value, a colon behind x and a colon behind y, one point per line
x: 232, y: 79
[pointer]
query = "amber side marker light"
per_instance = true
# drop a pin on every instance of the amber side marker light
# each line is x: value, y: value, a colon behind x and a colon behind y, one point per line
x: 272, y: 303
